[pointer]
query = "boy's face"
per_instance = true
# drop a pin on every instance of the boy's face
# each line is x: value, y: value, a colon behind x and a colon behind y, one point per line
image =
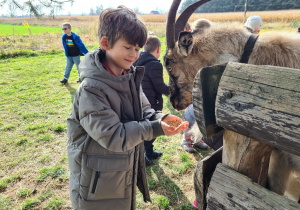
x: 122, y: 55
x: 66, y: 29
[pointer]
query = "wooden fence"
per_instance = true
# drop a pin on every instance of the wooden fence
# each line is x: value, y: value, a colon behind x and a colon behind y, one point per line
x: 258, y: 110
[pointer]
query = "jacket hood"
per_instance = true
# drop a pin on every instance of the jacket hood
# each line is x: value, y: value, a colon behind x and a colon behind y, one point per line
x: 144, y: 58
x: 91, y: 67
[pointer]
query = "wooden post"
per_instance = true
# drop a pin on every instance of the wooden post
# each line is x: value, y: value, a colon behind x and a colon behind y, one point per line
x: 247, y: 156
x: 203, y: 173
x: 261, y: 102
x: 229, y: 189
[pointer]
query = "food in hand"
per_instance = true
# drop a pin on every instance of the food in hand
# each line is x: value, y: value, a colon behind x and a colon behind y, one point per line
x: 174, y: 123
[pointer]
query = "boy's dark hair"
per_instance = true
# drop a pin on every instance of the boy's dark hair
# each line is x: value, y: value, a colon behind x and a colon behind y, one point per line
x: 152, y: 43
x: 122, y: 23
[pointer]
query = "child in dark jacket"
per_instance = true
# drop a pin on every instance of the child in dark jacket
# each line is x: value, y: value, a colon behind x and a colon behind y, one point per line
x: 111, y: 118
x: 74, y: 48
x: 153, y: 85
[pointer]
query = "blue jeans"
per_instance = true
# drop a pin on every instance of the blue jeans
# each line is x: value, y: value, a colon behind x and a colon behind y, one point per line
x: 69, y: 65
x: 189, y: 115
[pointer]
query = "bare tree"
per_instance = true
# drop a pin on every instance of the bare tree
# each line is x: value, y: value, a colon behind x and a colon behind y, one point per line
x: 35, y: 6
x: 99, y: 9
x: 92, y: 11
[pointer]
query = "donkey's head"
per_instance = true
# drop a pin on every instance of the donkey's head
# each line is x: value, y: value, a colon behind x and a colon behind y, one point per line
x: 182, y: 58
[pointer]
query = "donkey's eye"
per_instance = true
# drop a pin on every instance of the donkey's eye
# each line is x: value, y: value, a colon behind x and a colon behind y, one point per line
x: 169, y: 68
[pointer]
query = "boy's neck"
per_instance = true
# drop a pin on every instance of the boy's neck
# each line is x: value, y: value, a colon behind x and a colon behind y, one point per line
x: 69, y: 34
x: 115, y: 71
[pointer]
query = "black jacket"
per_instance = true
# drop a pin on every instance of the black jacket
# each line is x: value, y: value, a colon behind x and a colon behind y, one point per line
x: 153, y: 82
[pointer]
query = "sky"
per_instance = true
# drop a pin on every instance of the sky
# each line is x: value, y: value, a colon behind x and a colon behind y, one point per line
x: 83, y: 6
x: 145, y: 6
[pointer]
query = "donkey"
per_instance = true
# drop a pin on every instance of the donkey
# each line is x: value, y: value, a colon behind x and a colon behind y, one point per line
x: 216, y: 44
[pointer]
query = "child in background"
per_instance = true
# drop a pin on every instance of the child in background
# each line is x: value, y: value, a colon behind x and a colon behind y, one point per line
x: 111, y: 118
x: 153, y: 85
x: 189, y: 142
x: 74, y: 48
x: 187, y: 27
x: 253, y: 24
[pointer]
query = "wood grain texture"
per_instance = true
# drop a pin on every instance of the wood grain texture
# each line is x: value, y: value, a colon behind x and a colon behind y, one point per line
x: 261, y: 102
x: 247, y: 156
x: 203, y: 174
x: 229, y: 189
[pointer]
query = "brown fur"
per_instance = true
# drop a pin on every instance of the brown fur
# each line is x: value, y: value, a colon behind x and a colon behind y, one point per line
x: 223, y: 43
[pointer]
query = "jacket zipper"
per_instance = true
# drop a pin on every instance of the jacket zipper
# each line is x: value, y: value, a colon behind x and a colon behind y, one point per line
x: 97, y: 175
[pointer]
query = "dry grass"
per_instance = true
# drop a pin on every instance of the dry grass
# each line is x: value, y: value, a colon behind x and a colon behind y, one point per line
x: 87, y: 25
x: 267, y: 16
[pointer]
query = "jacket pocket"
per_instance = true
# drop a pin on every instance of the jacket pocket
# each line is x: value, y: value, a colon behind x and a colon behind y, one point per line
x: 108, y: 179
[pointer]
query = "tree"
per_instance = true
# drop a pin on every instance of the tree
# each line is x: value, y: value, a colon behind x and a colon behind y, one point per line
x: 12, y: 9
x: 239, y: 5
x: 99, y: 9
x: 92, y: 11
x: 137, y: 11
x: 35, y: 7
x: 55, y: 7
x: 185, y: 4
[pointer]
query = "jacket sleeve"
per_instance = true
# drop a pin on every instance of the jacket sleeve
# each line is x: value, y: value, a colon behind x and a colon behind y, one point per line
x: 156, y: 76
x: 64, y: 44
x: 154, y: 117
x: 80, y: 45
x: 101, y: 122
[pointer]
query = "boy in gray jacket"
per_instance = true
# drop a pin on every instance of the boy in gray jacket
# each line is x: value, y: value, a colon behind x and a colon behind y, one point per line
x: 111, y: 118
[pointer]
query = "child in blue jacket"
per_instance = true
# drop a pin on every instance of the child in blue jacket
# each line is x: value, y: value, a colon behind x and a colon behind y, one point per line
x: 74, y: 48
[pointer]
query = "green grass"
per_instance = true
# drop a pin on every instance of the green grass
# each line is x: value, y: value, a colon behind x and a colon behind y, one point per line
x: 55, y: 203
x: 9, y: 179
x: 23, y: 193
x: 52, y: 172
x: 30, y: 203
x: 10, y: 30
x: 6, y: 203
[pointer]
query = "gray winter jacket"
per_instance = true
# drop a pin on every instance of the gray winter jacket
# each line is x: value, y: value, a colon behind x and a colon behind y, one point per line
x: 110, y: 119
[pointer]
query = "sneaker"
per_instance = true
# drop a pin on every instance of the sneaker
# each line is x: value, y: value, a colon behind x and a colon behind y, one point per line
x: 187, y: 145
x: 64, y: 81
x: 200, y: 145
x: 153, y: 155
x: 79, y: 80
x: 147, y: 161
x: 195, y: 204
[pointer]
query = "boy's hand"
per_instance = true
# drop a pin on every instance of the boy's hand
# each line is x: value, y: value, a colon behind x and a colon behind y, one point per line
x: 172, y: 125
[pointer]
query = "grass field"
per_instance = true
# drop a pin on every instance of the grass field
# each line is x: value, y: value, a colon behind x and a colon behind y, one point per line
x: 34, y: 107
x: 9, y: 30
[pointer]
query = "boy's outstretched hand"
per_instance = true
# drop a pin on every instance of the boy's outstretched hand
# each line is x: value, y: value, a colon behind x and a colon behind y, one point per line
x: 172, y: 125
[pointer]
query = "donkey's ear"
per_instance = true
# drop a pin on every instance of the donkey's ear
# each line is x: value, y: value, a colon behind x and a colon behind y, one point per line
x: 185, y: 43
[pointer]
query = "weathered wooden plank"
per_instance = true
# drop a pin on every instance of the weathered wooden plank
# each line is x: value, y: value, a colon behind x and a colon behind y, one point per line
x: 229, y: 189
x: 247, y: 156
x: 203, y: 174
x: 205, y: 89
x: 261, y: 102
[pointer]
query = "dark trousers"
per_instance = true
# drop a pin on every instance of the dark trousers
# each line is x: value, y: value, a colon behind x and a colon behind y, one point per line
x: 149, y: 146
